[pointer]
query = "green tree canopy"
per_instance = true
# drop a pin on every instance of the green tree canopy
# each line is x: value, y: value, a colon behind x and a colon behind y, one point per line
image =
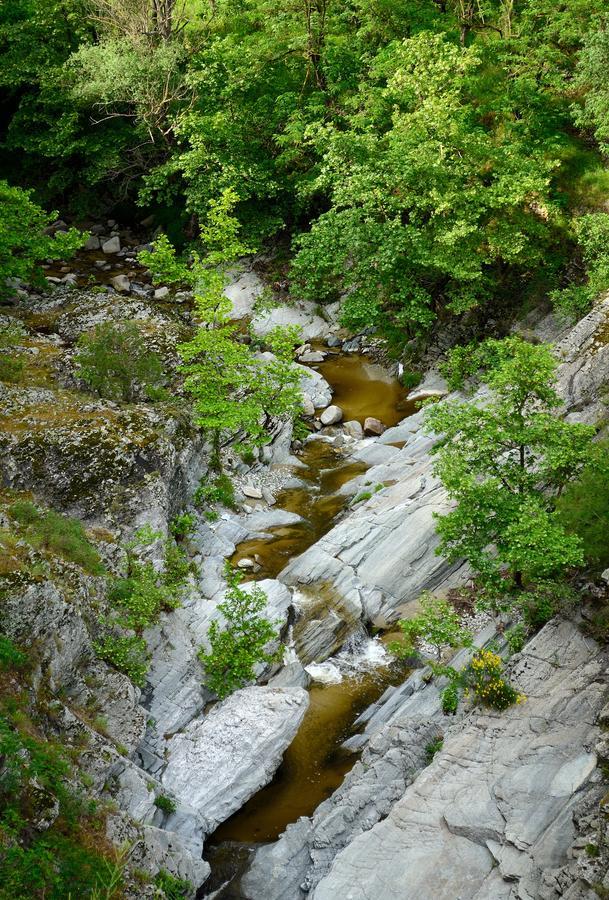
x: 505, y: 461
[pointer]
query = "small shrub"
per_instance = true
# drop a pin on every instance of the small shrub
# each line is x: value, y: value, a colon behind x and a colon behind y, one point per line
x: 438, y: 624
x: 11, y: 367
x: 219, y: 490
x: 127, y: 653
x: 172, y: 888
x: 363, y: 495
x: 176, y: 567
x: 545, y: 601
x: 516, y: 637
x: 60, y: 535
x: 484, y: 678
x: 433, y: 747
x: 10, y: 656
x: 584, y: 507
x: 116, y: 364
x: 238, y: 648
x: 450, y: 699
x: 140, y: 596
x: 411, y: 379
x: 592, y: 850
x: 24, y: 512
x: 165, y: 804
x: 183, y: 525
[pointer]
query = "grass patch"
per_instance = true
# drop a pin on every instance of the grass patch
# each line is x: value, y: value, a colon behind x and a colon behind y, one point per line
x: 51, y: 532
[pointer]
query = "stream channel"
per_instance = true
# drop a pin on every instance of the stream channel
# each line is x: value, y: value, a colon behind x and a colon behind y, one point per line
x: 315, y: 764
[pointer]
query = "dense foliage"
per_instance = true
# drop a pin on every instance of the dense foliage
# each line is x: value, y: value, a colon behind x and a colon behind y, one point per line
x: 425, y: 156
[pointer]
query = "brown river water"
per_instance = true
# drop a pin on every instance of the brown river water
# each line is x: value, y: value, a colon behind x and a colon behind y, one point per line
x: 314, y: 765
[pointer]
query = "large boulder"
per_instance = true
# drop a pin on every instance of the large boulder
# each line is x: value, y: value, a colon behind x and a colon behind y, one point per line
x: 331, y: 416
x: 217, y: 763
x: 315, y: 387
x: 374, y: 426
x: 243, y: 290
x: 112, y: 245
x: 302, y: 314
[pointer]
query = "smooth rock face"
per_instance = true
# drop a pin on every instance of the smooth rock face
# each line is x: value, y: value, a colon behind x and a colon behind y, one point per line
x: 382, y: 554
x: 161, y: 292
x: 217, y: 763
x: 331, y: 415
x: 112, y: 245
x: 304, y: 853
x: 494, y: 809
x: 584, y: 373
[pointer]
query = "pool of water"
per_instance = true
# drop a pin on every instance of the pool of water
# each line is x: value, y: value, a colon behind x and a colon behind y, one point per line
x: 362, y: 388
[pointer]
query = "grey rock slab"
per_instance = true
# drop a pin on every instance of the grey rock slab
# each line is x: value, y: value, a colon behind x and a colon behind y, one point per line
x: 161, y: 293
x: 306, y: 850
x: 259, y: 522
x: 583, y: 375
x: 217, y: 763
x: 505, y: 781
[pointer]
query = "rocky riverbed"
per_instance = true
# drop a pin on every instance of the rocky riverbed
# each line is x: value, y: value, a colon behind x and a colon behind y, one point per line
x: 339, y: 530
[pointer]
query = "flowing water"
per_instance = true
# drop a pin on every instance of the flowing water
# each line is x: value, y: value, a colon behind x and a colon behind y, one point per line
x: 314, y: 765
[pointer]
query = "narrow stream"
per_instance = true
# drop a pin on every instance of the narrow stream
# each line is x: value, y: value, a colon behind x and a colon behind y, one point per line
x: 314, y: 765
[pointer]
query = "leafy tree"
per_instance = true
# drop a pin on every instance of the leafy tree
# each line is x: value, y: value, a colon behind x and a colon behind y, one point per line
x: 505, y: 462
x: 428, y: 204
x: 115, y: 362
x: 233, y: 390
x: 242, y: 644
x: 23, y: 242
x: 437, y: 624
